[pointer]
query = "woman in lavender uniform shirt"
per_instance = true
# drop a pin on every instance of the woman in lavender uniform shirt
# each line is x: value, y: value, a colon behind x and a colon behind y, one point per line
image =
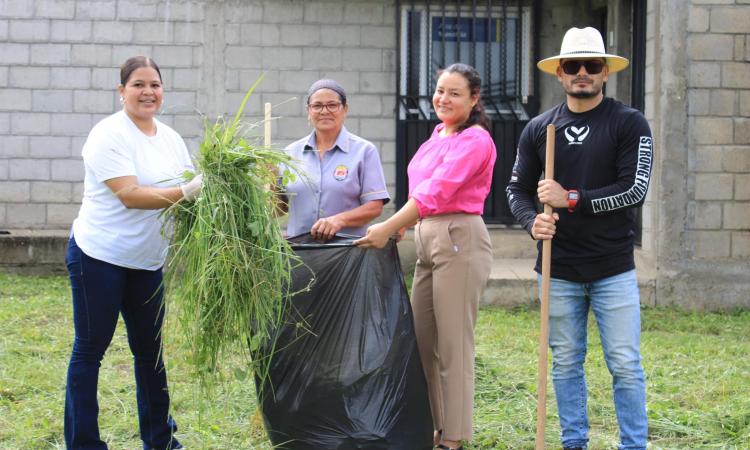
x: 449, y: 179
x: 342, y: 188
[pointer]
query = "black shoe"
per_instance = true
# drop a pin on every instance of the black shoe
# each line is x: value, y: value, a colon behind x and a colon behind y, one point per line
x: 441, y: 446
x: 572, y: 448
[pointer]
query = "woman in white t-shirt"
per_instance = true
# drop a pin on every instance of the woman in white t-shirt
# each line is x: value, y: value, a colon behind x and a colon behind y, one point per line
x: 133, y: 167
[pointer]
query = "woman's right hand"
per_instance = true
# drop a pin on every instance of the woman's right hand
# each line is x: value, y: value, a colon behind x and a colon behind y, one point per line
x: 377, y: 236
x: 326, y: 228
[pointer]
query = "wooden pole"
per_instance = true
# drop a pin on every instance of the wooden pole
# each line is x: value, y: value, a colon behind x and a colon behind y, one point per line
x: 267, y: 126
x: 541, y: 404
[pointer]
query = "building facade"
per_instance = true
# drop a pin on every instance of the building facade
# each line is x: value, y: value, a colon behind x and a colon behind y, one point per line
x: 691, y: 58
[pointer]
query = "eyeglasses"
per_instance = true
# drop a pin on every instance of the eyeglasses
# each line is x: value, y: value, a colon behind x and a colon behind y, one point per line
x: 572, y: 66
x: 331, y: 107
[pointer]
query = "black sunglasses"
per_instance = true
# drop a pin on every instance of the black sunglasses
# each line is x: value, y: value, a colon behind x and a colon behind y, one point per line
x: 572, y: 66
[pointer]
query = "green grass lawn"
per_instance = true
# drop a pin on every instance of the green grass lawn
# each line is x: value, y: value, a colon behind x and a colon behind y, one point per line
x: 697, y: 366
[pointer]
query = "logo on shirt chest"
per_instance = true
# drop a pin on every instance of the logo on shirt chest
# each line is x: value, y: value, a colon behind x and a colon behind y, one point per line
x: 576, y: 135
x: 340, y: 172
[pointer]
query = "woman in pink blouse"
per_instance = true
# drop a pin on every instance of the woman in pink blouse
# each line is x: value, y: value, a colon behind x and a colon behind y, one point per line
x: 449, y: 179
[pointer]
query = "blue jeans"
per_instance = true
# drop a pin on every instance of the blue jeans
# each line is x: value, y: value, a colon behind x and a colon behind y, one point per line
x: 616, y: 304
x: 101, y: 292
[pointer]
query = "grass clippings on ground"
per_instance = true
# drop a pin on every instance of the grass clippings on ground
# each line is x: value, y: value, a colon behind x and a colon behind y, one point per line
x: 696, y: 366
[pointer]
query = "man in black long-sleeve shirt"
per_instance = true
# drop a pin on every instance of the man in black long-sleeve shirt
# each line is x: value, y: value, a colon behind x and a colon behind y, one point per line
x: 603, y: 159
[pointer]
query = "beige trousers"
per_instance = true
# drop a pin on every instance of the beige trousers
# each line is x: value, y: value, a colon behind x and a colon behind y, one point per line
x: 454, y: 257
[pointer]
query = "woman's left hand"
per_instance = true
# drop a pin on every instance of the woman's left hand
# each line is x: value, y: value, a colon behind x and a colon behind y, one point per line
x: 401, y: 234
x: 192, y: 189
x: 377, y: 236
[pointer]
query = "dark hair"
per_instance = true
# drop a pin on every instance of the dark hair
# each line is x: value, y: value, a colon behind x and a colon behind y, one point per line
x: 136, y: 62
x: 477, y: 115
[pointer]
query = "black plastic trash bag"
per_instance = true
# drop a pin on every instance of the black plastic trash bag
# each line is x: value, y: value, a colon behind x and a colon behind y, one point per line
x: 346, y: 372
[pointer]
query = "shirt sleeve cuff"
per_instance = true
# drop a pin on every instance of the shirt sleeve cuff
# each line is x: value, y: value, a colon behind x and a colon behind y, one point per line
x: 423, y: 210
x: 377, y: 195
x: 106, y: 176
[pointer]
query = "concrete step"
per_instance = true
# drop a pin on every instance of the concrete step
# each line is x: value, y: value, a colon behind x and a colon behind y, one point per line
x: 507, y: 243
x: 512, y: 282
x: 512, y: 278
x: 511, y: 242
x: 44, y: 250
x: 33, y: 251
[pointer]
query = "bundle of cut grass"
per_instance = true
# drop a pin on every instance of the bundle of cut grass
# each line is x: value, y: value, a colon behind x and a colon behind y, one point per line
x: 230, y: 264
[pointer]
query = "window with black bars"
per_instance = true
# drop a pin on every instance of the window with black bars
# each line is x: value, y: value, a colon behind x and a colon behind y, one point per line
x: 495, y: 37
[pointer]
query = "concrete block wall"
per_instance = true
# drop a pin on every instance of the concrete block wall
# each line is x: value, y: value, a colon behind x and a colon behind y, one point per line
x: 60, y: 60
x: 59, y: 64
x: 698, y: 63
x: 718, y: 219
x: 294, y: 43
x: 648, y: 211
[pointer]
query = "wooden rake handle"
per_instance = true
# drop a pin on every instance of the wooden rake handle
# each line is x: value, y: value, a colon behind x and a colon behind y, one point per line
x: 267, y: 126
x: 541, y: 404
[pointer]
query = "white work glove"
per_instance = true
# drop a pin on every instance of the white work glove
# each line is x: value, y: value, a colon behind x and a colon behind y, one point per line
x: 191, y: 190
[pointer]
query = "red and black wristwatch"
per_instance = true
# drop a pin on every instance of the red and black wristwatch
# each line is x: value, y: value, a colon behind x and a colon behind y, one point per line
x: 573, y: 197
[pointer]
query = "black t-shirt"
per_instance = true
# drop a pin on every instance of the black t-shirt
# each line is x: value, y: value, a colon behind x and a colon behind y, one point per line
x: 606, y: 154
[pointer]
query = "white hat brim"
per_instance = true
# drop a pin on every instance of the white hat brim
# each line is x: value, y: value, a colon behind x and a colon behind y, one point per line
x: 614, y: 63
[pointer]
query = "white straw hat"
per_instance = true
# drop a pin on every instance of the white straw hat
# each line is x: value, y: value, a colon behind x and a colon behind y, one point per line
x: 580, y: 43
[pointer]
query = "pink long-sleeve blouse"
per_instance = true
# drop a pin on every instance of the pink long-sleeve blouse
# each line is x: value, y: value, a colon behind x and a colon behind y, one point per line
x: 452, y: 174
